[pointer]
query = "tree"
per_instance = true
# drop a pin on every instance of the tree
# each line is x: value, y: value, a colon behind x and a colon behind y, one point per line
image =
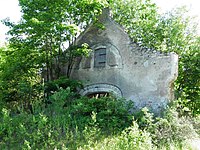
x: 41, y: 40
x: 188, y: 82
x: 170, y: 32
x: 49, y: 27
x: 139, y: 18
x: 20, y: 82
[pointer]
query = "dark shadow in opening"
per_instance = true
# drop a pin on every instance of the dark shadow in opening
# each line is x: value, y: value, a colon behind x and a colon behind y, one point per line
x: 98, y: 95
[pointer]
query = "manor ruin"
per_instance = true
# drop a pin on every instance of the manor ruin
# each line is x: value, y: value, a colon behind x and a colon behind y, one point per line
x: 119, y: 66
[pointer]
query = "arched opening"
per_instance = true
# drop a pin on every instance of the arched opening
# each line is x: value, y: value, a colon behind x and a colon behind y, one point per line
x: 98, y: 95
x: 100, y: 90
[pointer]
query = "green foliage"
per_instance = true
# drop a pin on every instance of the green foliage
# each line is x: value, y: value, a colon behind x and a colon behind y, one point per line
x: 48, y: 27
x: 111, y: 113
x: 188, y: 82
x: 40, y: 39
x: 139, y: 18
x: 174, y: 31
x: 60, y: 125
x: 62, y: 82
x: 19, y: 79
x: 77, y: 126
x: 131, y: 138
x: 144, y: 118
x: 73, y: 122
x: 33, y: 132
x: 167, y: 129
x: 173, y: 129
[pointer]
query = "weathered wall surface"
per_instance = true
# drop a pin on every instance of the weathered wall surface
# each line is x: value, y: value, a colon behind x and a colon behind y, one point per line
x: 134, y: 73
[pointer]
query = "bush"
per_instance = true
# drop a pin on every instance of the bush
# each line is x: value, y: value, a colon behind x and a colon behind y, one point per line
x: 26, y: 131
x: 167, y: 130
x: 62, y: 82
x: 111, y: 113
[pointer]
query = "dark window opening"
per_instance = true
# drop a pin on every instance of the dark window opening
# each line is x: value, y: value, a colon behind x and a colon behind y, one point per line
x: 87, y: 63
x: 98, y: 95
x: 100, y: 58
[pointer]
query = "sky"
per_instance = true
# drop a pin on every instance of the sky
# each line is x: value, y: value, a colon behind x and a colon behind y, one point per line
x: 10, y: 8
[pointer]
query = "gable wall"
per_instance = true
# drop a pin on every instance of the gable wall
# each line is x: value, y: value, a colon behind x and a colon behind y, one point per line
x: 144, y: 77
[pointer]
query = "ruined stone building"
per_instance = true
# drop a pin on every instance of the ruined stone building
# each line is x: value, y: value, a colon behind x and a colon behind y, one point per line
x: 119, y: 66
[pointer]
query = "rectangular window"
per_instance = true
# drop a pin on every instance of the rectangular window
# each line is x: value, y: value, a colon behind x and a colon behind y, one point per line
x: 100, y: 58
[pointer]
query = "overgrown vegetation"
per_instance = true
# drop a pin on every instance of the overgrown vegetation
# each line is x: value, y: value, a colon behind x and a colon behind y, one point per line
x: 49, y: 114
x: 83, y: 123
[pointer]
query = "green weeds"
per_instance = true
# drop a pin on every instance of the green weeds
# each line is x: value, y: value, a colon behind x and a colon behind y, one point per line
x: 83, y: 123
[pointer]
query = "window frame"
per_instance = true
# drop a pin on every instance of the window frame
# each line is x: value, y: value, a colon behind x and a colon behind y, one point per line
x: 100, y: 56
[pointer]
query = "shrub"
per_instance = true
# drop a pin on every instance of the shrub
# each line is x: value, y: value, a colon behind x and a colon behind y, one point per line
x: 167, y: 129
x: 111, y: 113
x: 25, y: 131
x: 62, y: 82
